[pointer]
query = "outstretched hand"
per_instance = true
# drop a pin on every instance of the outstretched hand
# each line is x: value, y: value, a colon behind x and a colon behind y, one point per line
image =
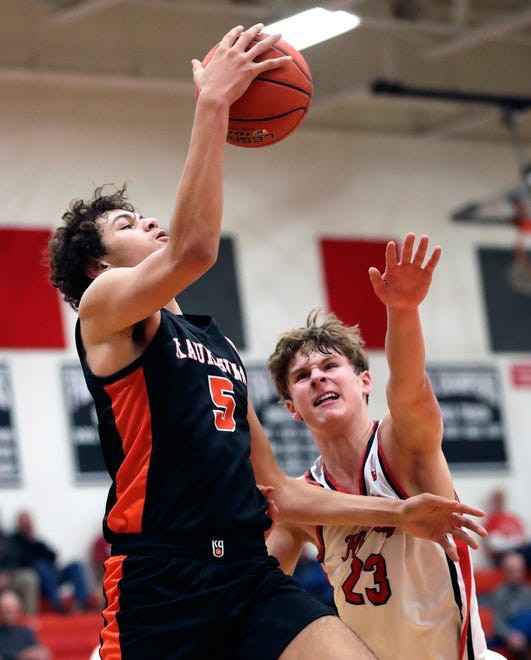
x: 233, y: 67
x: 434, y: 517
x: 405, y: 283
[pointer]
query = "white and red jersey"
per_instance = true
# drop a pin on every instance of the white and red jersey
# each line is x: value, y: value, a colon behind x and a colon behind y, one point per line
x: 402, y: 595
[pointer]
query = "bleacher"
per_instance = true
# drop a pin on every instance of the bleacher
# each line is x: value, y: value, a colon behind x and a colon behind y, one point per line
x: 70, y: 636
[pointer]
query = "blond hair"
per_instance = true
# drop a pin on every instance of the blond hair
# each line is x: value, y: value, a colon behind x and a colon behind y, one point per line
x: 329, y: 336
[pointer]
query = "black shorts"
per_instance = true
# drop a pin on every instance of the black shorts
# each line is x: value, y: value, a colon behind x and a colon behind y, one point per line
x: 165, y: 607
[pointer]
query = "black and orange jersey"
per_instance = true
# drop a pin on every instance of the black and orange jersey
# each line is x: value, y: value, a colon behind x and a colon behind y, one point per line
x: 175, y: 437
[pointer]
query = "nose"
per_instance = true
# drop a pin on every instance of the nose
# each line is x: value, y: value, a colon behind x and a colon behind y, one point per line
x: 317, y: 377
x: 150, y: 223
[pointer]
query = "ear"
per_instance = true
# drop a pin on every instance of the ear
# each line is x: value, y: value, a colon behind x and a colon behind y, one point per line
x: 293, y: 411
x: 366, y: 382
x: 95, y: 267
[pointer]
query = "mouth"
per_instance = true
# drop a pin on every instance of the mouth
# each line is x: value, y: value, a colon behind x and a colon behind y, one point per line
x: 329, y: 396
x: 161, y: 234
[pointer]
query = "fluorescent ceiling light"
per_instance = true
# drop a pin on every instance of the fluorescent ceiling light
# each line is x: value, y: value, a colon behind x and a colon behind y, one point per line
x: 313, y: 26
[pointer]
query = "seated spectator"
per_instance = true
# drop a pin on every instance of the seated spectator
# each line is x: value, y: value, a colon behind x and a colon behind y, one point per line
x: 37, y: 554
x: 99, y: 553
x: 507, y: 531
x: 511, y: 605
x: 17, y: 642
x: 24, y: 581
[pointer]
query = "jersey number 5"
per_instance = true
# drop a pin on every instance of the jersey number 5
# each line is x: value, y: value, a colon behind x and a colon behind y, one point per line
x: 222, y: 394
x: 380, y: 593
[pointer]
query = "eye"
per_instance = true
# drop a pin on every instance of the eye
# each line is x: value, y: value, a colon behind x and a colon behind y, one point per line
x: 330, y: 365
x: 301, y: 376
x: 127, y: 226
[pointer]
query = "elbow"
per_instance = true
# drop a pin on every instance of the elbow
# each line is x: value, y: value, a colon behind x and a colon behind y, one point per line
x: 197, y: 258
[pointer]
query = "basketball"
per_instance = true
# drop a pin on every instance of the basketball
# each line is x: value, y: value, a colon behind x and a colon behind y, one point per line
x: 275, y: 103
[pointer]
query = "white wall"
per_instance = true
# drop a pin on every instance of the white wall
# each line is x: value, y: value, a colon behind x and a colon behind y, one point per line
x: 57, y: 144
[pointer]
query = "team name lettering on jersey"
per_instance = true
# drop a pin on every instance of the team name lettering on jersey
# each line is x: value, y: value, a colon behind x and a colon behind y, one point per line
x: 355, y: 541
x: 194, y: 350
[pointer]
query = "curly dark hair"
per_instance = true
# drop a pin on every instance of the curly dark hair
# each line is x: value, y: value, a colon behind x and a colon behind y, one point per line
x: 78, y: 241
x: 328, y: 337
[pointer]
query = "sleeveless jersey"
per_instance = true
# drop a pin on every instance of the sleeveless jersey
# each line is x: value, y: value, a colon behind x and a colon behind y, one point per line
x: 401, y: 594
x: 174, y: 433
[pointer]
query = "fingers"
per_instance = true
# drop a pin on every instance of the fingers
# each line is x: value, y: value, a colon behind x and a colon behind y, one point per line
x: 449, y: 547
x: 232, y: 36
x: 407, y: 248
x: 261, y: 46
x: 391, y: 258
x: 464, y: 536
x: 247, y: 36
x: 418, y: 257
x: 433, y: 260
x: 461, y: 507
x: 469, y: 523
x: 375, y: 276
x: 421, y: 250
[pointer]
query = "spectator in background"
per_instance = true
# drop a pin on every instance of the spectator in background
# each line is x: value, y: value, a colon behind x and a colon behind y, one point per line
x: 37, y: 554
x: 511, y: 604
x: 24, y: 581
x: 100, y: 551
x: 507, y: 531
x: 17, y: 642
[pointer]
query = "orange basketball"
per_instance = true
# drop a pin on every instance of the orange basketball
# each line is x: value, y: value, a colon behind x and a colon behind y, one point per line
x: 276, y: 102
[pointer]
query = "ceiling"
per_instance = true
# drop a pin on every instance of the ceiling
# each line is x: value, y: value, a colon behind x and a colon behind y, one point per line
x: 447, y: 59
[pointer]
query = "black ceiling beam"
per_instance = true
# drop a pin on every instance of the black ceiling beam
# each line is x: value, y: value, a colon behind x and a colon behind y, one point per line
x: 510, y: 103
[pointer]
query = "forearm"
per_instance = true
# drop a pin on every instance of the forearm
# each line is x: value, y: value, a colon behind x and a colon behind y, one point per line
x: 404, y: 348
x: 195, y: 224
x: 303, y: 503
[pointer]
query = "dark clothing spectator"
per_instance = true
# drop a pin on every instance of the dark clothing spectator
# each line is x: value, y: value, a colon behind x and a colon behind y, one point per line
x: 13, y: 575
x: 511, y: 603
x: 39, y: 556
x: 17, y: 642
x: 14, y: 639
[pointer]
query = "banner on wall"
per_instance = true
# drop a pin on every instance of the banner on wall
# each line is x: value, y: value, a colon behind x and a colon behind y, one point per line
x: 349, y: 291
x: 35, y: 321
x: 470, y: 400
x: 83, y: 425
x: 469, y: 397
x: 9, y: 463
x: 290, y: 440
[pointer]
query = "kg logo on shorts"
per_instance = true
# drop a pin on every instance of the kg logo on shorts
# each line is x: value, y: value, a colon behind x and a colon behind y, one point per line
x: 218, y: 549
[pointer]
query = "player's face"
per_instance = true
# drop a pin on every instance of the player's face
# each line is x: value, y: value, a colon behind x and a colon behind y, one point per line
x: 325, y: 389
x: 129, y: 237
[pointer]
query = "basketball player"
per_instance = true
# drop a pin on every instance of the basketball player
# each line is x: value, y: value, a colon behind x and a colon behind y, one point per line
x: 404, y: 596
x: 189, y: 575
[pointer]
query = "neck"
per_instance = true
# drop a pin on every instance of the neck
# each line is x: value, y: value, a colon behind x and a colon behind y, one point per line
x: 342, y: 453
x: 173, y: 307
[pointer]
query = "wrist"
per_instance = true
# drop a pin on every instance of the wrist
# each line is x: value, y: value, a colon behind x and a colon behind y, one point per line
x: 210, y: 101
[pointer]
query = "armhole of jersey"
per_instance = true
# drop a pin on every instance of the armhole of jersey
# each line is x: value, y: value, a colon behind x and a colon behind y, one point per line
x: 320, y: 543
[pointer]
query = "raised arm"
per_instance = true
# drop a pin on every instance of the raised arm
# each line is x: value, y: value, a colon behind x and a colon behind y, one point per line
x: 136, y: 291
x: 412, y: 431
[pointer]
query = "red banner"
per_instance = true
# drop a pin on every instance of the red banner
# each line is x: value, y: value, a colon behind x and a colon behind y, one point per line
x: 31, y: 307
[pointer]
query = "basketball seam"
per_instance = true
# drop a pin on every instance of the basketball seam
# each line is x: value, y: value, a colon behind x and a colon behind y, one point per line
x: 284, y: 114
x: 285, y: 52
x: 273, y: 81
